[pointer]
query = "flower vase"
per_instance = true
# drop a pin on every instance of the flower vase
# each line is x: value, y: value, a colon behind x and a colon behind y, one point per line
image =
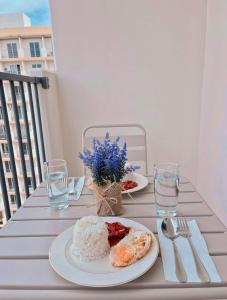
x: 108, y: 199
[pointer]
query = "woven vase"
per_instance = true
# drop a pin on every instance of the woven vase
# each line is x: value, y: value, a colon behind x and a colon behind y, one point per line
x: 108, y: 199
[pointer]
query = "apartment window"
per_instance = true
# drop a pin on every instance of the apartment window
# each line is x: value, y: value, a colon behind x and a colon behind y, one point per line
x: 10, y: 183
x: 28, y: 166
x: 36, y: 66
x: 12, y: 50
x: 2, y: 132
x: 15, y: 69
x: 34, y: 49
x: 23, y: 132
x: 18, y: 92
x: 5, y: 149
x: 1, y: 113
x: 20, y: 112
x: 29, y: 182
x: 8, y: 166
x: 25, y: 148
x: 12, y: 199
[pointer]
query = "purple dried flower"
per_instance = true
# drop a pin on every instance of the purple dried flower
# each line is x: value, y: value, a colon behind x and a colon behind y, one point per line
x: 107, y: 161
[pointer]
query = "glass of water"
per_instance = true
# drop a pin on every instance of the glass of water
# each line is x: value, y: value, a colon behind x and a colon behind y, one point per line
x: 166, y: 188
x: 56, y: 177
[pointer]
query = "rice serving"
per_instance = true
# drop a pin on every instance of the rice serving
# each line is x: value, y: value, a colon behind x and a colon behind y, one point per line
x: 90, y: 238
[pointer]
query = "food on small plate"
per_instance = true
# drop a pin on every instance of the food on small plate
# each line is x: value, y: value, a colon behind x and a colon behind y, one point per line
x: 90, y: 239
x: 131, y: 248
x: 128, y: 184
x: 125, y: 185
x: 117, y: 232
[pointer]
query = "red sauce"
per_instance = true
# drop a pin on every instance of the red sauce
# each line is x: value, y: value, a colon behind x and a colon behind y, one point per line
x: 128, y: 184
x: 117, y: 232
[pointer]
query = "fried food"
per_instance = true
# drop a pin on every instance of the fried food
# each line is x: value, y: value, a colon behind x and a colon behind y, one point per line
x: 131, y: 248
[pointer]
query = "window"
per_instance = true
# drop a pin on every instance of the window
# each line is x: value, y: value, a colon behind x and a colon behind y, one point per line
x: 36, y: 66
x: 8, y: 166
x: 23, y: 132
x: 10, y: 183
x: 20, y: 112
x: 12, y: 50
x: 12, y: 199
x: 25, y: 148
x: 2, y: 132
x: 15, y: 69
x: 1, y: 113
x: 28, y: 167
x: 34, y: 49
x: 29, y: 182
x: 5, y: 149
x: 17, y: 92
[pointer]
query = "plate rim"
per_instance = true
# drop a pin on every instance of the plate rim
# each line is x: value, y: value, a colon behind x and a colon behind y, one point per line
x: 94, y: 285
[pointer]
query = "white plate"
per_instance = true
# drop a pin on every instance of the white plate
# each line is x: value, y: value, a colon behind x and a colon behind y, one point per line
x: 141, y: 180
x: 99, y: 273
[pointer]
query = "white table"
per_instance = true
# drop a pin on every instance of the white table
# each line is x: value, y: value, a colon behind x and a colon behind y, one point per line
x: 26, y: 238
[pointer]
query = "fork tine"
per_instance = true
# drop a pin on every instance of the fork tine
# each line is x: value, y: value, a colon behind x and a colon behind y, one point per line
x: 178, y: 223
x: 185, y: 223
x: 181, y: 228
x: 182, y: 223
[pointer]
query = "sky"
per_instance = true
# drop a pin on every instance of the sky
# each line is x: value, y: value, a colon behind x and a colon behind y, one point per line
x: 37, y: 10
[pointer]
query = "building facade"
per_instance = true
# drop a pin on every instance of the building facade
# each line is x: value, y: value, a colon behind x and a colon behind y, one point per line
x: 28, y: 51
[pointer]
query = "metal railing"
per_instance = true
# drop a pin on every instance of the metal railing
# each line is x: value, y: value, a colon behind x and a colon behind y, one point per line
x: 28, y: 86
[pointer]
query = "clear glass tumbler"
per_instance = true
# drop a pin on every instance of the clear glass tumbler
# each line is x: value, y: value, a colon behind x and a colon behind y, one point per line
x: 56, y: 178
x: 166, y: 188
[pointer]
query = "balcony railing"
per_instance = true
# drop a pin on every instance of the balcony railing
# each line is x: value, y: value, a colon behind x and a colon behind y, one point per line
x: 33, y: 128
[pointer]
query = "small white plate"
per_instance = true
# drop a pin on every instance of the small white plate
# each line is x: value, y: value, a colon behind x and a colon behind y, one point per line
x: 141, y: 181
x: 99, y: 273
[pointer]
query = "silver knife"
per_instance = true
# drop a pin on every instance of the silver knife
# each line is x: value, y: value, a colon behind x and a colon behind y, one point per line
x: 76, y: 188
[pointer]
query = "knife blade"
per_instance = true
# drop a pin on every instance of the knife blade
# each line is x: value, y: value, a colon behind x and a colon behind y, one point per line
x: 78, y: 187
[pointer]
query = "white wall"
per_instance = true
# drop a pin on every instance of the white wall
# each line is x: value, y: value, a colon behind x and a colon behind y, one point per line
x: 51, y: 118
x: 212, y: 167
x: 132, y: 61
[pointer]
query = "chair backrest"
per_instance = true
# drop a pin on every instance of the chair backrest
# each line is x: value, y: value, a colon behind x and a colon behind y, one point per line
x: 133, y: 134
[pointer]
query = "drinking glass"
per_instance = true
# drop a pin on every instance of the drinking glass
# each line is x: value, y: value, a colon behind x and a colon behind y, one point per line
x: 166, y: 188
x: 56, y: 178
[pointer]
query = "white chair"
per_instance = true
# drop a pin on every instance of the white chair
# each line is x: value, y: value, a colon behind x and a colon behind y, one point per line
x: 133, y: 134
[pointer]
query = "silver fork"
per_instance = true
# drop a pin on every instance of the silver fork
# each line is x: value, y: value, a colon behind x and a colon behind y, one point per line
x: 185, y: 232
